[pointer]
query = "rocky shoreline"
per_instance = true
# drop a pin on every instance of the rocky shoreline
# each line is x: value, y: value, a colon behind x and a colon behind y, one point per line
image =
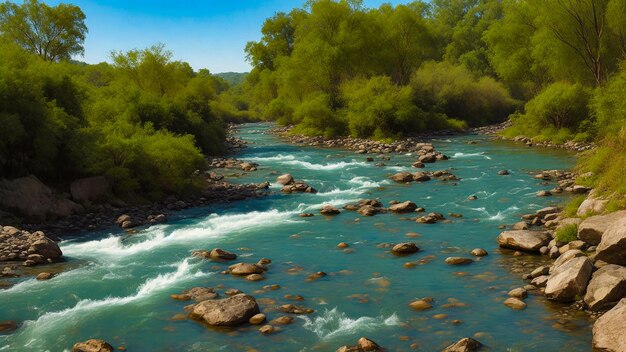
x: 588, y: 271
x: 494, y: 130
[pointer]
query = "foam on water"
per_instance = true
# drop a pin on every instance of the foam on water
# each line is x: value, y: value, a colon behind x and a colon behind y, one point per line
x: 470, y: 155
x: 500, y: 215
x: 56, y: 320
x: 398, y: 168
x: 214, y: 226
x: 334, y: 323
x: 364, y: 182
x: 325, y: 167
x: 361, y: 184
x: 279, y: 157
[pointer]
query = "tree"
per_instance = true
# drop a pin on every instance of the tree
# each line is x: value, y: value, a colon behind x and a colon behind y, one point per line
x: 580, y: 29
x: 54, y: 33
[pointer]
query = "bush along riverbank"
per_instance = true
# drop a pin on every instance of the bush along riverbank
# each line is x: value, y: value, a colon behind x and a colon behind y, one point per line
x: 45, y: 215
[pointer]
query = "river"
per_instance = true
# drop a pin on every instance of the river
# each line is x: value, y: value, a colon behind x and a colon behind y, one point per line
x: 120, y: 285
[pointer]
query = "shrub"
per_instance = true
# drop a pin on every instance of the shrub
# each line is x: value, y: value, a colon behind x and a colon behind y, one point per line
x: 315, y: 117
x: 559, y: 105
x: 567, y: 233
x: 380, y: 109
x: 457, y: 93
x: 608, y: 104
x: 572, y: 206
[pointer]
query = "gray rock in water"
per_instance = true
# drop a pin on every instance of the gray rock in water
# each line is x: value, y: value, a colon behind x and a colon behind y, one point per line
x: 404, y: 207
x: 606, y: 288
x: 244, y: 269
x: 92, y: 345
x: 402, y: 177
x: 231, y: 311
x: 524, y: 240
x: 405, y: 248
x: 612, y: 248
x: 608, y: 330
x: 569, y: 280
x: 464, y: 345
x: 458, y: 261
x: 329, y: 210
x: 285, y: 179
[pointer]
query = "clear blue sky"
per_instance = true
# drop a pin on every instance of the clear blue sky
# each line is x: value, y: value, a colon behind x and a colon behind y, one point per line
x: 206, y: 33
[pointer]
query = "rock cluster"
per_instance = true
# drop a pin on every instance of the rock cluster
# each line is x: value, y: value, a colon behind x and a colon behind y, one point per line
x: 570, y: 145
x: 364, y: 146
x: 232, y: 163
x: 405, y: 177
x: 29, y: 248
x: 290, y: 185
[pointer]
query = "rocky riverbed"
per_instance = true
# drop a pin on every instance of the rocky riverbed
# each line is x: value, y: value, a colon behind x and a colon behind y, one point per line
x: 372, y: 259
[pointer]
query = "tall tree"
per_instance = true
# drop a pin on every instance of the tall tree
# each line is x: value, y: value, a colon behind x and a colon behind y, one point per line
x: 54, y: 33
x: 580, y: 27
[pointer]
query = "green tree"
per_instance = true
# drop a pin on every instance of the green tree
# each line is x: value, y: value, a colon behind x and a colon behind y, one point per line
x: 53, y: 33
x: 580, y: 33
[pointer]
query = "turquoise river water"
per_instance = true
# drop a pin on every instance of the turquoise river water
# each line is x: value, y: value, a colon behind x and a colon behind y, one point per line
x: 119, y: 288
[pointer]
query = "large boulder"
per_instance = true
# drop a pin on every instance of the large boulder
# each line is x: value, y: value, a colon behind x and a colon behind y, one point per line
x: 244, y: 269
x: 569, y: 280
x: 404, y: 207
x: 524, y: 240
x: 45, y: 247
x: 612, y: 248
x: 285, y: 179
x: 464, y: 345
x: 606, y: 288
x: 33, y: 200
x: 592, y: 228
x: 85, y: 190
x: 402, y: 177
x: 608, y: 330
x: 92, y: 345
x: 592, y: 205
x: 420, y: 177
x: 405, y: 248
x: 231, y: 311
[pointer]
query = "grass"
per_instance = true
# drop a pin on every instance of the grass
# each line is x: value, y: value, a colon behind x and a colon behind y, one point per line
x: 572, y: 206
x: 607, y: 165
x: 567, y: 233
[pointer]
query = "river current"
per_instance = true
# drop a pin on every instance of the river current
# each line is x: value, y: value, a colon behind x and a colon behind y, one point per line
x: 119, y: 285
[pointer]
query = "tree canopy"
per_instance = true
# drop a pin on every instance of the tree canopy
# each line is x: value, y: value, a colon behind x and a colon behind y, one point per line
x: 54, y: 33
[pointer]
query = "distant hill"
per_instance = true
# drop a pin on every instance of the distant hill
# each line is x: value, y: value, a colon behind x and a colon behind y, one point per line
x: 233, y: 78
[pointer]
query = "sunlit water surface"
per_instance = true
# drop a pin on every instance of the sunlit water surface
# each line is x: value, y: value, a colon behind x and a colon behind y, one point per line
x: 120, y: 290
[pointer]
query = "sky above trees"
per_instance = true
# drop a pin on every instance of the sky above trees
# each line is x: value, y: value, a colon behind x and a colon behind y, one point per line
x: 206, y: 33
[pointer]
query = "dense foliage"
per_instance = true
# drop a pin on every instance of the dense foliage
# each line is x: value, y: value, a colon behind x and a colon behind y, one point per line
x: 553, y: 66
x: 332, y: 67
x: 336, y: 67
x: 144, y: 121
x: 53, y: 33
